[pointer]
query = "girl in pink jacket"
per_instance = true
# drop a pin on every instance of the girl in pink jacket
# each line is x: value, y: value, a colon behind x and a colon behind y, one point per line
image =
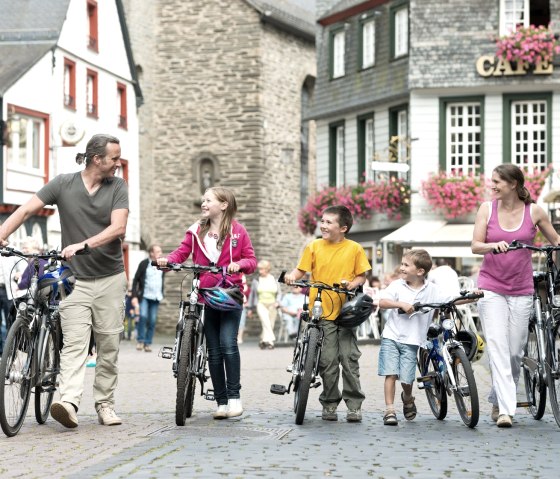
x: 218, y: 239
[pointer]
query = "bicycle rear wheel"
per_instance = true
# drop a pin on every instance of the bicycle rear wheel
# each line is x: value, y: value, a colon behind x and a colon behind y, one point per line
x: 15, y: 368
x: 186, y: 379
x: 466, y: 394
x: 535, y: 386
x: 434, y: 388
x: 553, y: 371
x: 47, y: 372
x: 309, y: 359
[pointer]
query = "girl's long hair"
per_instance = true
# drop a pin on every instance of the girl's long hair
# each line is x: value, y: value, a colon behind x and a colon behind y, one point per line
x: 222, y: 195
x: 511, y: 173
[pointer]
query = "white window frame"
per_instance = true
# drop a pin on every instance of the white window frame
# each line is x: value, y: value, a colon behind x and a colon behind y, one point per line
x: 368, y: 44
x: 340, y: 157
x: 401, y: 31
x: 32, y: 159
x: 529, y: 138
x: 461, y: 143
x: 339, y: 46
x: 512, y: 14
x: 369, y: 147
x: 402, y: 133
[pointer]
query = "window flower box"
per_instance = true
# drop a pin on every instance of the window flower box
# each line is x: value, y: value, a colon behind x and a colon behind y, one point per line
x: 529, y: 45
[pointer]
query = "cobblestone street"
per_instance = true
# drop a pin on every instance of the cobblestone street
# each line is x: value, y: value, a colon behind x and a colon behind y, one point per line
x: 265, y: 442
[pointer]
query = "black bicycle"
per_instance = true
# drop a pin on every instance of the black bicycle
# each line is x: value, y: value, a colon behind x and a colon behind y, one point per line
x: 307, y: 350
x: 541, y: 361
x: 189, y: 353
x: 444, y: 366
x: 31, y: 357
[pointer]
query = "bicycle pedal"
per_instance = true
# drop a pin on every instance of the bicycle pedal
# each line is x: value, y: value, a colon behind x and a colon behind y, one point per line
x: 290, y: 368
x: 524, y: 404
x: 316, y: 385
x: 209, y: 396
x: 166, y: 352
x: 278, y: 389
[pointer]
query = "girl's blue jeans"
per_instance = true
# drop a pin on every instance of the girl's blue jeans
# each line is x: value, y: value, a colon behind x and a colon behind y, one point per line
x: 224, y: 363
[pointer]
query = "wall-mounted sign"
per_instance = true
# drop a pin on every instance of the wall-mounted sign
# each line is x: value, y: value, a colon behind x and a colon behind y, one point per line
x: 490, y: 66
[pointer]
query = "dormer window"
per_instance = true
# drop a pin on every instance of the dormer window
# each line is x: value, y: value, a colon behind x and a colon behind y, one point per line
x: 93, y: 43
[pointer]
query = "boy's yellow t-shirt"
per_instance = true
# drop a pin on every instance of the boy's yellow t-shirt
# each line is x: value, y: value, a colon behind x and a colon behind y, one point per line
x: 331, y: 263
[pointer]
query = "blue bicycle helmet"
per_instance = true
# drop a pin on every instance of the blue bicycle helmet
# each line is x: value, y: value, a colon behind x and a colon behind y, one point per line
x: 56, y: 284
x: 223, y: 299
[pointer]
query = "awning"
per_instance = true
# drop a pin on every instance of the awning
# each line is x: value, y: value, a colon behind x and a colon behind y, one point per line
x: 438, y: 237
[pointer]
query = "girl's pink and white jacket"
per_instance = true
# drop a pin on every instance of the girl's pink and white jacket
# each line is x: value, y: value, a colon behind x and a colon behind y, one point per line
x: 237, y: 248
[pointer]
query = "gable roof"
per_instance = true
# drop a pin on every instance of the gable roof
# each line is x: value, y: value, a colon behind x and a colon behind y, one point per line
x: 28, y: 30
x: 294, y: 16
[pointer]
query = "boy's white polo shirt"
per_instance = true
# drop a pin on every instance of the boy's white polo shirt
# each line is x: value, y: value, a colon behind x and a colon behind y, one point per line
x: 402, y: 327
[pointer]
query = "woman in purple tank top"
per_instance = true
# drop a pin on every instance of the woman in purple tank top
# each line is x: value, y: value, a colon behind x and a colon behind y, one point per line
x: 507, y: 281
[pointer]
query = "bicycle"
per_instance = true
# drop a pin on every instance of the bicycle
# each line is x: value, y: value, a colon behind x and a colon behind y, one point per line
x: 31, y: 357
x: 541, y: 361
x: 444, y: 366
x: 307, y: 349
x: 189, y: 353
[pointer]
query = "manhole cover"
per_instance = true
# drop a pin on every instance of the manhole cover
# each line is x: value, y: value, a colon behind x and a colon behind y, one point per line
x: 228, y: 431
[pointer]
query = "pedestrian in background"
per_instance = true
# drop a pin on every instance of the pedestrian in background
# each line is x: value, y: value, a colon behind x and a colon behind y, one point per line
x: 8, y: 277
x: 30, y: 246
x: 507, y: 281
x: 147, y: 288
x: 131, y: 315
x: 246, y: 291
x: 445, y: 277
x: 335, y: 259
x: 93, y: 209
x: 264, y: 299
x: 291, y: 306
x: 218, y: 239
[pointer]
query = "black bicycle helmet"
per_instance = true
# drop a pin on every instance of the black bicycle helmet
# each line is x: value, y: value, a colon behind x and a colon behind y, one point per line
x: 57, y: 284
x: 469, y: 341
x: 223, y: 299
x: 355, y: 312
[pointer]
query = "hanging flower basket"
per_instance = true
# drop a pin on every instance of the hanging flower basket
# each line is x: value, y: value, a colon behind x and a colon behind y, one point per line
x: 534, y: 181
x: 363, y: 201
x: 531, y: 45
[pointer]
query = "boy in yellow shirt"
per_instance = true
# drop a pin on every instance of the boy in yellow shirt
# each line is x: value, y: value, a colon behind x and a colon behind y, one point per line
x: 335, y: 259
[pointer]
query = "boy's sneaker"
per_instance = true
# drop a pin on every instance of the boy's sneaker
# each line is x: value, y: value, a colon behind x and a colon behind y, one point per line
x: 495, y: 413
x: 64, y: 413
x: 329, y: 413
x: 354, y: 415
x: 107, y: 416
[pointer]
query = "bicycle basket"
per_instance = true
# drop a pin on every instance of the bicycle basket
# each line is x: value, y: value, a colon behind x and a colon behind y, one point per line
x: 355, y: 312
x: 56, y: 285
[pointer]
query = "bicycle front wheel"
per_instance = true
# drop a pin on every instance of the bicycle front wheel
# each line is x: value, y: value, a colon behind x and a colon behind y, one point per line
x: 308, y: 361
x: 535, y: 386
x: 553, y: 371
x: 466, y: 394
x: 15, y: 369
x: 47, y: 372
x: 186, y: 379
x: 434, y: 387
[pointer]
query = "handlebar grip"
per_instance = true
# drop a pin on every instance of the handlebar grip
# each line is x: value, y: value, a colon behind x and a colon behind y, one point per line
x: 474, y: 295
x: 154, y: 263
x: 85, y: 250
x: 281, y: 277
x: 401, y: 311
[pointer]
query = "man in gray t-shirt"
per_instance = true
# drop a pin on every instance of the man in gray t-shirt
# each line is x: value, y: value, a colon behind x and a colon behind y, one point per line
x: 93, y: 209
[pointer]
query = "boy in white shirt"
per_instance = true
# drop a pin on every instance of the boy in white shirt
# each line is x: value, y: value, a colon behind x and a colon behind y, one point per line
x: 403, y: 334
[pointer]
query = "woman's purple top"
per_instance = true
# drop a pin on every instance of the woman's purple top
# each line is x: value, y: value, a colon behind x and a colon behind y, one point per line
x: 508, y: 273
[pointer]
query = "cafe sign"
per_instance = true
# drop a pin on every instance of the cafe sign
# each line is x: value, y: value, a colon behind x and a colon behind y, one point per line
x: 491, y: 66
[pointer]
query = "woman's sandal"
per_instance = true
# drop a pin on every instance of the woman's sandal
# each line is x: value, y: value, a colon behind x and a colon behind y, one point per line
x: 390, y: 419
x: 409, y: 408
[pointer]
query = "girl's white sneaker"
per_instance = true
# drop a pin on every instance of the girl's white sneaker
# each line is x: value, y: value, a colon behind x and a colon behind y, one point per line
x: 234, y: 408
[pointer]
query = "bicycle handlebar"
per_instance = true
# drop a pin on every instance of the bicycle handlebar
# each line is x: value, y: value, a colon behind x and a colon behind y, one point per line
x: 318, y: 285
x: 54, y: 254
x: 195, y: 268
x: 448, y: 304
x: 515, y: 245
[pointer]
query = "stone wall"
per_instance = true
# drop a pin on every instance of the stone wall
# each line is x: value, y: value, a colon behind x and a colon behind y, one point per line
x: 218, y: 84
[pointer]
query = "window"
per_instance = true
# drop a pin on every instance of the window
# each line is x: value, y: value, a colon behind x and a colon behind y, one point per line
x: 365, y: 147
x: 527, y: 143
x: 515, y: 13
x: 69, y: 84
x: 463, y: 135
x: 121, y: 104
x: 337, y: 54
x: 399, y: 141
x: 337, y: 165
x: 399, y: 24
x: 93, y: 41
x: 27, y: 139
x: 368, y: 44
x: 91, y: 94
